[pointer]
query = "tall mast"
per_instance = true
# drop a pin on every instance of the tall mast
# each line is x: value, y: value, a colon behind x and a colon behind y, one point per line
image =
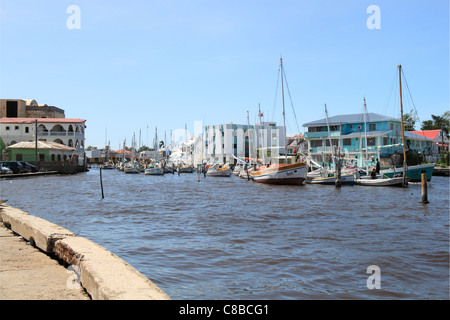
x: 403, y: 127
x: 284, y: 115
x: 365, y: 130
x: 329, y: 137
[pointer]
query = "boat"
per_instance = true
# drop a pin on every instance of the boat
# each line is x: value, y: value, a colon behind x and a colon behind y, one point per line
x: 154, y: 170
x: 381, y: 182
x: 282, y: 172
x: 345, y: 179
x: 107, y: 166
x: 131, y: 167
x: 414, y: 173
x: 218, y: 170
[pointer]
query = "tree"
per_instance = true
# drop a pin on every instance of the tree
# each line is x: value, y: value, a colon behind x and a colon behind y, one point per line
x: 409, y: 122
x: 438, y: 122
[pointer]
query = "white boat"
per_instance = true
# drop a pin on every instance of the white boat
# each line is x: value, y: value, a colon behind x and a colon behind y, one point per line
x: 237, y: 170
x: 282, y: 172
x: 131, y: 168
x: 345, y: 179
x: 382, y: 182
x: 289, y: 174
x: 154, y: 170
x: 218, y: 170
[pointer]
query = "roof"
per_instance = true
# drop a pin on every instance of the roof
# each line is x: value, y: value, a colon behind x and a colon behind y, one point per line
x: 41, y: 120
x: 41, y: 145
x: 350, y: 118
x: 430, y: 134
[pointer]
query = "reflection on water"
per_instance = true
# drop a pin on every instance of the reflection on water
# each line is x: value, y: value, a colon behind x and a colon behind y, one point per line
x: 228, y: 238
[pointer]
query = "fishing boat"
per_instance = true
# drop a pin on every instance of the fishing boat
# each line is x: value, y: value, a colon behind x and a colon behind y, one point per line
x: 154, y: 170
x: 218, y: 170
x: 381, y: 182
x: 282, y: 172
x: 414, y: 173
x: 131, y: 168
x: 345, y: 179
x: 107, y: 166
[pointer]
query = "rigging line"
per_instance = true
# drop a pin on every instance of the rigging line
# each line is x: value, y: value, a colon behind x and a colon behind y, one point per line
x: 412, y: 101
x: 276, y: 94
x: 390, y: 92
x: 289, y: 93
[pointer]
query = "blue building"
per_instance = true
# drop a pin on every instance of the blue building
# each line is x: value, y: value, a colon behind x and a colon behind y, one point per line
x: 349, y: 134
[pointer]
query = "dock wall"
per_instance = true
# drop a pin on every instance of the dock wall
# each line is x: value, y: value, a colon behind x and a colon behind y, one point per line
x: 103, y: 275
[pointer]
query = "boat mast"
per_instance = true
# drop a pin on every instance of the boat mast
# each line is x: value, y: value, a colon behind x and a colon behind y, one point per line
x: 329, y: 137
x: 365, y: 130
x: 284, y: 114
x: 403, y: 127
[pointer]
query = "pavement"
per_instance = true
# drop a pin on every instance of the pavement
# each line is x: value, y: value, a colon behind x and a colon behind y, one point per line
x: 27, y: 273
x: 40, y: 260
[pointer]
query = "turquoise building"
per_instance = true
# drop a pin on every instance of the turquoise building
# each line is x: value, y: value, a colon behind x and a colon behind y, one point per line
x: 361, y: 139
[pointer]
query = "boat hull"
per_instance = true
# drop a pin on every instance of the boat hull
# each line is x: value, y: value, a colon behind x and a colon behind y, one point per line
x: 383, y: 182
x: 413, y: 172
x: 348, y: 179
x: 220, y: 173
x: 154, y: 172
x: 293, y: 174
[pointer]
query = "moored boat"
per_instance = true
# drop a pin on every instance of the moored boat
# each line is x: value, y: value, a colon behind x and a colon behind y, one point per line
x: 218, y: 170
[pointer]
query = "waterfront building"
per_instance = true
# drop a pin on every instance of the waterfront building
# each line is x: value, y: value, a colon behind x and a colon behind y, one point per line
x: 440, y: 141
x: 350, y: 132
x: 23, y: 108
x: 68, y: 132
x: 250, y: 142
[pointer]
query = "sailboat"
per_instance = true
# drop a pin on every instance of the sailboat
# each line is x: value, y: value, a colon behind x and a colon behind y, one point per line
x: 344, y: 179
x: 414, y: 173
x: 287, y: 172
x: 155, y: 169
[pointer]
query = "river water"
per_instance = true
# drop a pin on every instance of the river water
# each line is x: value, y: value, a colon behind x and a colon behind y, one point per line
x: 229, y: 238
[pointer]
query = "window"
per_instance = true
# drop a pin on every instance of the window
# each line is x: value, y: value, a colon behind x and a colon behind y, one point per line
x: 372, y: 126
x: 385, y: 141
x: 316, y: 143
x: 371, y: 141
x: 16, y: 127
x: 7, y: 128
x: 18, y: 157
x: 27, y: 129
x: 347, y: 142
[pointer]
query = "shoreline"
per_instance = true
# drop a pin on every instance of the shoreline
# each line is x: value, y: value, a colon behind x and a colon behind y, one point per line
x: 102, y: 274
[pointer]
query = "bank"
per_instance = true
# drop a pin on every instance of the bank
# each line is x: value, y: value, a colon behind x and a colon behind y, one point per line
x: 102, y: 274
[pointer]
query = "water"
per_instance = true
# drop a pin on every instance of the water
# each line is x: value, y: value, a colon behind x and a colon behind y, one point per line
x: 229, y: 238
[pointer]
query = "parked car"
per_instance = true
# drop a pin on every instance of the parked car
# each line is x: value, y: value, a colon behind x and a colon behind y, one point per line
x: 28, y: 166
x: 5, y: 170
x: 15, y: 166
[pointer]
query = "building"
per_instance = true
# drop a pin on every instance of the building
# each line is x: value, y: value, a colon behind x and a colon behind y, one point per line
x: 250, y: 142
x: 349, y: 133
x: 20, y: 108
x: 439, y: 138
x: 68, y: 132
x: 24, y: 120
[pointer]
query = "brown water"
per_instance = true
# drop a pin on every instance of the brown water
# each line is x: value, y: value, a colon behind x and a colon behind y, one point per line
x: 228, y: 238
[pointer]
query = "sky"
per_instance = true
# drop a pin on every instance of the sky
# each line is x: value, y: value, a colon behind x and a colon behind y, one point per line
x: 129, y: 67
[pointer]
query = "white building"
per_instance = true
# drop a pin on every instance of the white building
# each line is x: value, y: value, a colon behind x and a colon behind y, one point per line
x: 249, y: 142
x: 69, y: 132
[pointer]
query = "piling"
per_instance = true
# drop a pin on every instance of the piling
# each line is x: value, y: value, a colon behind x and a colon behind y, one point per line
x: 424, y: 189
x: 101, y: 183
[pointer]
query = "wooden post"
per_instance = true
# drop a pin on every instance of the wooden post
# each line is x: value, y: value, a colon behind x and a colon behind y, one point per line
x: 101, y: 182
x: 424, y: 189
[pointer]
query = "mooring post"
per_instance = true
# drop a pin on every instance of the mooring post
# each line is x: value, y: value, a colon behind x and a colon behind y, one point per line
x: 101, y: 182
x: 424, y: 189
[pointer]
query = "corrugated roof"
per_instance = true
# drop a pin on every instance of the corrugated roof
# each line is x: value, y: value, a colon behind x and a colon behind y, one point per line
x: 41, y: 145
x: 350, y: 118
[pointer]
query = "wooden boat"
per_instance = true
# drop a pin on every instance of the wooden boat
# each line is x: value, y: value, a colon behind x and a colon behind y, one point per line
x: 281, y: 172
x: 218, y: 170
x: 154, y: 170
x: 345, y: 179
x: 381, y: 182
x: 131, y: 168
x: 414, y: 173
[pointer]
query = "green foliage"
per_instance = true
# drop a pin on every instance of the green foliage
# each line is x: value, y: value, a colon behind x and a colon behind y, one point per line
x: 438, y: 122
x: 445, y: 159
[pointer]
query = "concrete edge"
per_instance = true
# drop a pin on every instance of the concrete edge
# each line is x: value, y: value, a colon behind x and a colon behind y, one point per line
x: 104, y: 275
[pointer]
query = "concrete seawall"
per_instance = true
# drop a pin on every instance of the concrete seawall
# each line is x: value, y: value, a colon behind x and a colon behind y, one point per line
x: 103, y: 275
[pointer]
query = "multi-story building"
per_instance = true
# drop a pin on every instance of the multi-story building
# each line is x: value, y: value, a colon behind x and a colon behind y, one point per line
x: 349, y: 133
x: 21, y: 120
x: 249, y: 142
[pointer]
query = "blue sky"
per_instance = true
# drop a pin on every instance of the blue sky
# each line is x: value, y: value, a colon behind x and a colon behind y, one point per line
x: 134, y: 64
